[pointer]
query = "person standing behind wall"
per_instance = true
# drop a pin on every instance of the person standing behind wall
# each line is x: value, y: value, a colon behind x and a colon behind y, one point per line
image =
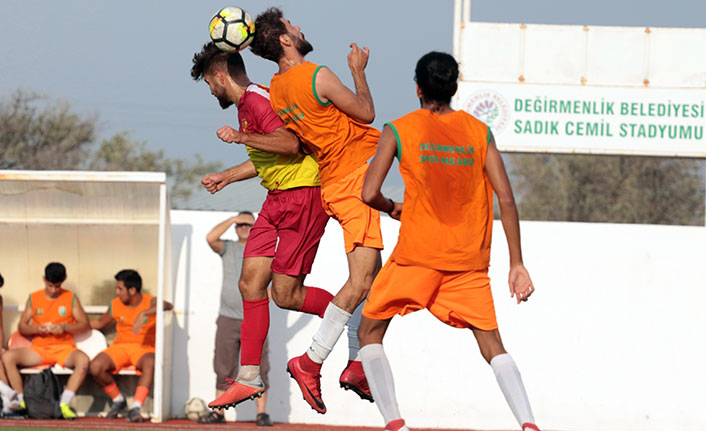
x: 230, y: 315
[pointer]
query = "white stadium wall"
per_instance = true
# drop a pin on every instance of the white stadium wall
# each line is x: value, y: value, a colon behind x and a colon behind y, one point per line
x: 605, y: 343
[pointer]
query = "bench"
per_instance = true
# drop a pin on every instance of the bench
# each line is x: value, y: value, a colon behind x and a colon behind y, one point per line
x: 91, y: 343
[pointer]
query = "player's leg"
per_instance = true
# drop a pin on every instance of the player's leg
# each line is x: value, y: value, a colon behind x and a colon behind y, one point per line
x: 363, y: 264
x: 507, y: 375
x: 465, y: 300
x: 145, y: 364
x: 14, y: 359
x: 300, y: 221
x: 10, y: 401
x: 255, y: 278
x: 79, y: 362
x: 101, y: 368
x: 378, y: 371
x: 237, y: 389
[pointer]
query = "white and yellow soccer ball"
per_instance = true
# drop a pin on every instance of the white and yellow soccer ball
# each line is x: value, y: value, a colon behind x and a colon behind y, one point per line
x: 232, y: 29
x: 195, y: 408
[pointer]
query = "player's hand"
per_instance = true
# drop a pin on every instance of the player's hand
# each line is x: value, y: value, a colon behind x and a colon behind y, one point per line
x: 396, y: 212
x: 358, y: 58
x: 521, y: 286
x: 56, y: 329
x: 214, y: 182
x: 43, y: 329
x: 229, y: 135
x: 139, y: 321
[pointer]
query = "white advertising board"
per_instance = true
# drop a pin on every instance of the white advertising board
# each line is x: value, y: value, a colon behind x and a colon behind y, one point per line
x: 591, y: 120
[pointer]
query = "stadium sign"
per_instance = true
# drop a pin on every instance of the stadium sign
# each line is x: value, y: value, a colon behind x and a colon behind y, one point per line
x: 590, y: 120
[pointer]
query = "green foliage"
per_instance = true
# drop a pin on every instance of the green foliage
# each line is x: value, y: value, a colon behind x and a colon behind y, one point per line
x: 49, y: 136
x: 615, y: 189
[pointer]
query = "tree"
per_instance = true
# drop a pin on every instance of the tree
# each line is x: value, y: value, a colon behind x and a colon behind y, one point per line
x: 52, y: 137
x: 618, y: 189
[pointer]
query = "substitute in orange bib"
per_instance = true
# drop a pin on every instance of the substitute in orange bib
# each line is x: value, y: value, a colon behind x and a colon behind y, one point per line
x: 52, y: 317
x: 332, y: 122
x: 134, y: 316
x: 450, y: 166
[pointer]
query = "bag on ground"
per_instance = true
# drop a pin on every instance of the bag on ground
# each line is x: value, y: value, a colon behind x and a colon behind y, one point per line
x: 42, y: 392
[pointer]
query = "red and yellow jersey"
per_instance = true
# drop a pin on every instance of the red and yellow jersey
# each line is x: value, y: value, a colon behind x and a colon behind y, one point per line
x: 277, y: 171
x: 125, y: 317
x: 52, y: 311
x: 340, y: 144
x: 447, y: 214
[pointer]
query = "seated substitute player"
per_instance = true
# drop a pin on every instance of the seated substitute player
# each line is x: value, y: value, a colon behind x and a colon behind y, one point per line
x: 450, y: 166
x: 283, y: 242
x: 10, y: 401
x: 332, y: 122
x: 52, y: 317
x: 134, y: 315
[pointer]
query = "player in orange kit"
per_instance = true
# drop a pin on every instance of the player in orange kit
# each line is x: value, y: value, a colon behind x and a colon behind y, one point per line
x: 134, y: 315
x: 51, y: 317
x: 450, y: 166
x: 332, y: 122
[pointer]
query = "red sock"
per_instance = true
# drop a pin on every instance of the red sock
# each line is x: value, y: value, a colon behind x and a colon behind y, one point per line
x: 253, y: 330
x: 308, y: 365
x: 141, y: 394
x: 316, y: 301
x: 111, y: 390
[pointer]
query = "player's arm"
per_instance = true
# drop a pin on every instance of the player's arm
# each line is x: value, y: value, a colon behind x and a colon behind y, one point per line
x: 358, y: 105
x: 142, y: 315
x: 218, y: 180
x: 377, y: 171
x: 102, y: 320
x: 25, y: 326
x: 520, y: 282
x: 280, y: 141
x: 80, y: 317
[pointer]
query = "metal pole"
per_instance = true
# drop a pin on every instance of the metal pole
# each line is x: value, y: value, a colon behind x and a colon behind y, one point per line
x: 457, y: 28
x: 467, y: 10
x: 159, y: 401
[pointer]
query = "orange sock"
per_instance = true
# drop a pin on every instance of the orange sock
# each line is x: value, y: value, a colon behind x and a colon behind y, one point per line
x: 112, y: 390
x: 140, y: 394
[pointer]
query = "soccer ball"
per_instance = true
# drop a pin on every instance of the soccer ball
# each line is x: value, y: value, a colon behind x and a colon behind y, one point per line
x: 232, y: 29
x: 195, y: 408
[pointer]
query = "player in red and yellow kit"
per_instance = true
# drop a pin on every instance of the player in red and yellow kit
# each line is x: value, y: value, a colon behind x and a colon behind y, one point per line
x: 450, y: 166
x: 51, y: 317
x: 134, y: 316
x: 285, y: 237
x: 332, y: 122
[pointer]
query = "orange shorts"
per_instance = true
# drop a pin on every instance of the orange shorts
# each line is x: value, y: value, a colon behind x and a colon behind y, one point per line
x: 342, y: 201
x: 127, y: 354
x: 459, y: 299
x: 54, y: 354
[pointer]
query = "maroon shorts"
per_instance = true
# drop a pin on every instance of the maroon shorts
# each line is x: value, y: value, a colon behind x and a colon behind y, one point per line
x: 296, y: 218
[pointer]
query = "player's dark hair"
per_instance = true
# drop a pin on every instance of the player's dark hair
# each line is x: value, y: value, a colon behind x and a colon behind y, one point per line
x: 437, y: 75
x: 130, y: 278
x: 2, y: 281
x: 55, y: 272
x: 246, y: 213
x: 211, y: 58
x: 268, y: 28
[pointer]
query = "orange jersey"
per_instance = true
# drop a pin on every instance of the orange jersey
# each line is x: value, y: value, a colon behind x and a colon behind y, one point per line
x: 52, y: 311
x: 339, y: 143
x: 447, y: 214
x: 125, y: 318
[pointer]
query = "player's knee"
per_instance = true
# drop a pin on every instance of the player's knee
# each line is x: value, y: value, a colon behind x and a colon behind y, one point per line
x: 97, y: 367
x: 147, y: 363
x: 283, y: 298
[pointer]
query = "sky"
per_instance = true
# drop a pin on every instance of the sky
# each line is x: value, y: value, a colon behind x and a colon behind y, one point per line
x: 128, y: 61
